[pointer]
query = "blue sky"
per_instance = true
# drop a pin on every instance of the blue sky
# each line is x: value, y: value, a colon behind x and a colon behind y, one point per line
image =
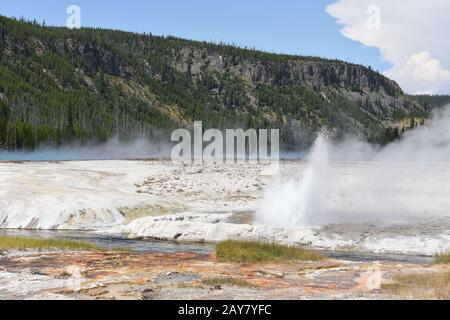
x: 287, y: 26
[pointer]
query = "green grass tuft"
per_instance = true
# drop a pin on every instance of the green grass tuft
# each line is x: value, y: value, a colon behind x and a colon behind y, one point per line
x: 16, y: 243
x: 257, y: 252
x: 443, y: 258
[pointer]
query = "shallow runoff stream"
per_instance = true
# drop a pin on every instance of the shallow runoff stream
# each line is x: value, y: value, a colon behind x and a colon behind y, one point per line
x: 155, y: 246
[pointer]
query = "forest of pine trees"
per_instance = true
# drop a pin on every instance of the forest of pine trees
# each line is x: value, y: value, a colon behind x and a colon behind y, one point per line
x: 58, y: 86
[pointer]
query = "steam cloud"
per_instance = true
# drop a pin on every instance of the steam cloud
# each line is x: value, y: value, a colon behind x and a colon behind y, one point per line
x: 113, y: 149
x: 355, y: 182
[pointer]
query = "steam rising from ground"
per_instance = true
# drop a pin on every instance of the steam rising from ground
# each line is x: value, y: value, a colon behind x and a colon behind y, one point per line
x: 354, y: 182
x: 113, y: 149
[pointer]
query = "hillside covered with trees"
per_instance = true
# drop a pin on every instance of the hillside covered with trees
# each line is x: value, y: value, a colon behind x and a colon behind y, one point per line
x: 59, y: 85
x: 431, y: 102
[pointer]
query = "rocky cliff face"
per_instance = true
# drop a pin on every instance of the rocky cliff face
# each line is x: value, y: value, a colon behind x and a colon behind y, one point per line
x: 372, y: 92
x: 314, y: 73
x: 61, y: 85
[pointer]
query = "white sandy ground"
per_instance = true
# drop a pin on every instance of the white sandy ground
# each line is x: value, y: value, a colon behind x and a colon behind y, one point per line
x: 72, y: 195
x: 163, y: 200
x: 27, y: 285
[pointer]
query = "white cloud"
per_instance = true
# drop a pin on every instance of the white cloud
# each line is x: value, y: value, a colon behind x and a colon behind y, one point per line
x: 422, y: 74
x: 413, y: 35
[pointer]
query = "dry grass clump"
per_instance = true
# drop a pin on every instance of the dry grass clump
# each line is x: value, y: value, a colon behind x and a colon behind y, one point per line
x: 434, y: 286
x: 217, y: 282
x: 258, y: 252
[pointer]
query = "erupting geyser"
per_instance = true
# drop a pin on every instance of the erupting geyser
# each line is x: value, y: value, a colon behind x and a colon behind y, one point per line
x: 352, y: 181
x: 302, y: 200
